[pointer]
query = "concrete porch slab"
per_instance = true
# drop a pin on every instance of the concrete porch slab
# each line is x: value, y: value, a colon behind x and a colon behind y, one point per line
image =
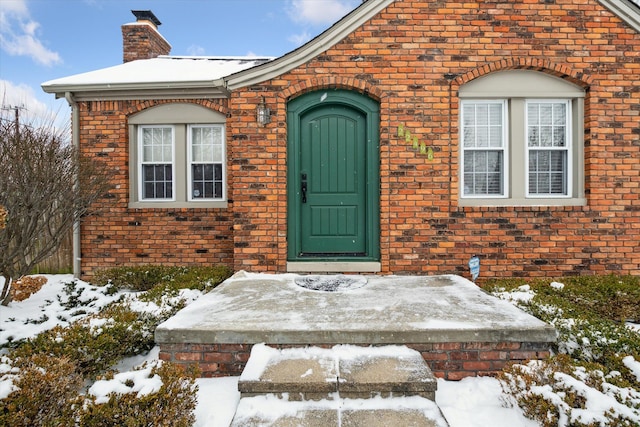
x: 255, y: 308
x: 459, y: 329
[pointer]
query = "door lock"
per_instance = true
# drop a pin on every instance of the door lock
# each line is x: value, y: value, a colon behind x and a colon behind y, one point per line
x: 303, y: 187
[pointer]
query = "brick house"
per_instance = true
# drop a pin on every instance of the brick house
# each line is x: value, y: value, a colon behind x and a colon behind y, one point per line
x: 405, y: 139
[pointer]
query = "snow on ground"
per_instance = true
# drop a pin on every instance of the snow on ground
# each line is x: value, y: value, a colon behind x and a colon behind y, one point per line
x: 472, y: 402
x: 55, y: 304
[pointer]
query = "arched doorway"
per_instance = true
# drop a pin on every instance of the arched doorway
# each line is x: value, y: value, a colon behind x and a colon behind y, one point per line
x: 333, y: 178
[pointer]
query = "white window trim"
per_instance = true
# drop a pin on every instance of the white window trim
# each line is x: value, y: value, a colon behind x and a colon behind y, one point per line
x: 141, y: 163
x: 505, y: 150
x: 190, y: 197
x: 568, y: 149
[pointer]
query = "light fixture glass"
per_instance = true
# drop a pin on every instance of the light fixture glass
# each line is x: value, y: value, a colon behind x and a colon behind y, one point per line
x: 263, y: 114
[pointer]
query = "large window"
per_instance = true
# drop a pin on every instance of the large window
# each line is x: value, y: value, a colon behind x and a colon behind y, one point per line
x: 179, y: 153
x: 548, y: 144
x: 521, y: 141
x: 483, y: 142
x: 156, y: 162
x: 206, y: 147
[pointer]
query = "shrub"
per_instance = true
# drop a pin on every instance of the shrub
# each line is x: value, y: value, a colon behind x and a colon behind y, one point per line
x: 144, y: 278
x: 171, y: 406
x: 588, y: 313
x: 559, y: 392
x: 587, y: 371
x: 47, y: 389
x: 96, y: 342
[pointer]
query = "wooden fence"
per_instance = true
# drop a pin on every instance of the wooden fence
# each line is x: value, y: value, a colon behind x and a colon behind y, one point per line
x: 59, y: 262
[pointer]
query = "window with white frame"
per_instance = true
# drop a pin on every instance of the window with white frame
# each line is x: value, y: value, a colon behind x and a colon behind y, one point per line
x: 180, y: 157
x: 483, y: 142
x: 206, y: 149
x: 521, y: 140
x: 548, y: 145
x: 156, y: 162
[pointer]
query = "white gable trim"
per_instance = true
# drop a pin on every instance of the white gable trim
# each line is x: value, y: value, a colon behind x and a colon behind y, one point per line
x: 315, y: 47
x: 625, y: 10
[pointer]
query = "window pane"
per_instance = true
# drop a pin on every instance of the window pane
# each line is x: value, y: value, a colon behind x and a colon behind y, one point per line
x: 482, y: 125
x: 208, y: 172
x: 546, y: 133
x: 469, y: 137
x: 468, y: 112
x: 205, y: 179
x: 198, y: 190
x: 482, y: 136
x: 157, y: 182
x: 559, y: 136
x: 547, y: 124
x: 548, y: 172
x: 208, y: 189
x: 483, y: 173
x: 198, y: 173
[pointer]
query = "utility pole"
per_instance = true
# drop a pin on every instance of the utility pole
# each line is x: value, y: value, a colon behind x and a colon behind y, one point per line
x: 16, y: 109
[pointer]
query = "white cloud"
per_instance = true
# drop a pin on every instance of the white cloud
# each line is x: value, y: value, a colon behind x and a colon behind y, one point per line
x: 19, y: 34
x: 299, y: 39
x: 31, y: 110
x: 195, y: 50
x: 320, y: 12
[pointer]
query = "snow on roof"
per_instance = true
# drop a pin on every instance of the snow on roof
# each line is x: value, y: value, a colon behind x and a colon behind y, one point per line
x: 163, y: 71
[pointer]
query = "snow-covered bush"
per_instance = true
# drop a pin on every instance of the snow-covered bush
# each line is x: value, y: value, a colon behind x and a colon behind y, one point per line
x: 44, y: 392
x: 146, y: 277
x: 591, y: 381
x: 558, y: 393
x: 161, y: 396
x: 122, y: 333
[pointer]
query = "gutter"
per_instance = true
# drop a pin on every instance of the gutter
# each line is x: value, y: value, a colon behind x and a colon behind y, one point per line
x: 75, y: 140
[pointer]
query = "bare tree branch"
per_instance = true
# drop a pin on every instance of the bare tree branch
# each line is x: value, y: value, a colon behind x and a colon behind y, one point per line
x: 45, y: 187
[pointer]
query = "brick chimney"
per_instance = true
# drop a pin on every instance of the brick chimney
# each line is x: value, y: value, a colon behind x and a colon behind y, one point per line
x: 141, y: 39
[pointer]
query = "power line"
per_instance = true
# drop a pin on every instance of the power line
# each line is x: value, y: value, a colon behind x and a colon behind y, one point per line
x: 16, y: 109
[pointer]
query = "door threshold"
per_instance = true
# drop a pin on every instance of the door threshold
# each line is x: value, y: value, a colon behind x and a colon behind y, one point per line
x: 333, y: 267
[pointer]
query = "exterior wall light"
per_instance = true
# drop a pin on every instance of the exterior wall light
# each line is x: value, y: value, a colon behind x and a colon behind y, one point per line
x: 263, y: 114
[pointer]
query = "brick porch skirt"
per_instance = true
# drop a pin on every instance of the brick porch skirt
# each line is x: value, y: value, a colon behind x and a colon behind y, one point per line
x: 448, y: 360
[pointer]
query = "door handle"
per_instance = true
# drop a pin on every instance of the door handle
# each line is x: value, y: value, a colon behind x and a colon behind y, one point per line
x: 303, y: 187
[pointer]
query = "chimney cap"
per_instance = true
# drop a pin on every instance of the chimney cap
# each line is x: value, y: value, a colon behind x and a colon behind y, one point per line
x: 146, y: 15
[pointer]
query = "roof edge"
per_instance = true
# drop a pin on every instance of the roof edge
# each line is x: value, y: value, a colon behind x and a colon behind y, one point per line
x: 206, y: 86
x: 626, y: 10
x: 306, y: 52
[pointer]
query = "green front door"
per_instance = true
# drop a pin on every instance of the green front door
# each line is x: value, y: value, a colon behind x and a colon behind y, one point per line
x: 332, y: 182
x: 333, y: 203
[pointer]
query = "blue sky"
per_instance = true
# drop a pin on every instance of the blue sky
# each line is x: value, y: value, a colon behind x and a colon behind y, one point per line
x: 41, y: 40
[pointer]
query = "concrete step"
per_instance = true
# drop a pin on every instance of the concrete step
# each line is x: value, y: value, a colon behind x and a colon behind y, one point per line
x: 345, y: 386
x: 269, y: 410
x: 347, y: 371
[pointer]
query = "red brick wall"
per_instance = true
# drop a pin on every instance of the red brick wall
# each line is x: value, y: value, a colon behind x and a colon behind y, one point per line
x: 142, y: 41
x: 448, y: 360
x: 119, y: 235
x: 400, y: 58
